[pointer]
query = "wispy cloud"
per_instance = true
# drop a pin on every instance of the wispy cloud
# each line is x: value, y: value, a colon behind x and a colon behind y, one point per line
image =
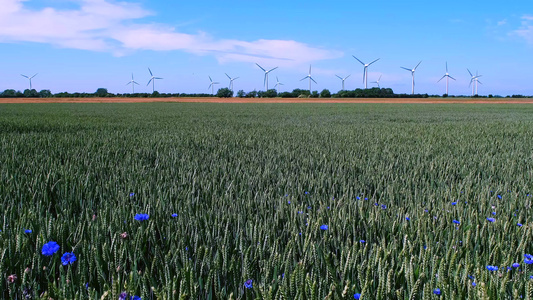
x: 116, y: 27
x: 526, y: 29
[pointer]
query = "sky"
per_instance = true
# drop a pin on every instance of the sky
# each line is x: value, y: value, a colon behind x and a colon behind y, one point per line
x: 83, y: 45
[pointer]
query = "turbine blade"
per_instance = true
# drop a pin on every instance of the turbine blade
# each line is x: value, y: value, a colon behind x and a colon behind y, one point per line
x: 34, y: 75
x: 210, y: 79
x: 373, y: 62
x: 304, y: 78
x: 313, y: 80
x: 470, y: 73
x: 451, y: 77
x: 24, y: 76
x: 260, y: 67
x: 272, y: 69
x: 150, y: 72
x: 131, y: 76
x: 135, y: 82
x: 479, y: 82
x: 128, y: 83
x: 158, y: 78
x: 347, y: 76
x: 441, y: 78
x: 228, y: 76
x: 380, y: 77
x: 235, y: 78
x: 339, y: 77
x: 149, y: 82
x: 358, y: 60
x: 406, y: 69
x: 309, y: 69
x: 446, y: 67
x: 417, y: 65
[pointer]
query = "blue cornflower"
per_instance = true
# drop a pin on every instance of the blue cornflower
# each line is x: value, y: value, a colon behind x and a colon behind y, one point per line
x: 362, y: 241
x: 528, y: 256
x: 436, y: 291
x: 516, y: 265
x: 473, y: 283
x: 530, y: 276
x: 135, y: 298
x: 493, y: 213
x: 491, y: 219
x: 528, y: 259
x: 471, y: 277
x: 425, y: 247
x: 492, y: 268
x: 289, y: 201
x: 27, y: 230
x: 300, y: 212
x: 407, y: 219
x: 383, y: 206
x: 68, y: 258
x: 454, y: 203
x: 358, y: 198
x: 376, y: 204
x: 86, y: 285
x: 306, y: 193
x: 357, y: 296
x: 499, y: 196
x: 142, y: 217
x: 309, y: 207
x: 519, y: 224
x: 456, y: 222
x: 425, y: 210
x: 174, y: 215
x: 50, y: 248
x: 122, y: 296
x: 328, y: 207
x: 248, y: 284
x: 132, y: 194
x: 324, y: 227
x: 366, y: 198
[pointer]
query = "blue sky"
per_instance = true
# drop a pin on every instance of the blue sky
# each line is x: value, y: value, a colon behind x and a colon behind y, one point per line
x: 81, y: 45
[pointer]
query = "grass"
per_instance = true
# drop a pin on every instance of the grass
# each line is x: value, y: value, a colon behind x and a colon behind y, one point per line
x: 251, y: 185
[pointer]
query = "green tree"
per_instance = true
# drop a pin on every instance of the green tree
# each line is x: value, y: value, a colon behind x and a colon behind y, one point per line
x: 45, y: 94
x: 31, y: 93
x: 9, y: 94
x: 224, y: 93
x: 271, y: 93
x: 241, y: 94
x: 101, y: 92
x: 325, y: 93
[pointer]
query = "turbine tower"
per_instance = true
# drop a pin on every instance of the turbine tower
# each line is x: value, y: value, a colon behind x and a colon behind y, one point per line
x: 343, y: 79
x: 29, y: 78
x: 231, y: 82
x: 278, y: 83
x: 447, y: 75
x: 310, y: 78
x: 212, y: 85
x: 413, y: 74
x: 365, y: 71
x: 266, y: 74
x: 152, y: 79
x: 475, y: 80
x: 133, y: 83
x: 377, y: 82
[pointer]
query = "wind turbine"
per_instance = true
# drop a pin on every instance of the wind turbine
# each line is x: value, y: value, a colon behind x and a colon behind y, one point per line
x: 413, y: 74
x: 365, y: 71
x: 29, y: 78
x: 310, y: 78
x: 152, y: 79
x: 475, y: 80
x: 212, y: 85
x: 377, y: 82
x: 343, y: 79
x: 266, y: 74
x: 133, y: 83
x: 231, y: 82
x: 447, y: 75
x: 277, y: 83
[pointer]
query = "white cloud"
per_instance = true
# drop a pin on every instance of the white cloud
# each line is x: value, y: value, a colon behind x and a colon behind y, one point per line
x: 526, y: 29
x: 103, y: 25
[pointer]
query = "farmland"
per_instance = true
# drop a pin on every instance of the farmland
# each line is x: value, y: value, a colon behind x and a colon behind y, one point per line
x: 268, y: 201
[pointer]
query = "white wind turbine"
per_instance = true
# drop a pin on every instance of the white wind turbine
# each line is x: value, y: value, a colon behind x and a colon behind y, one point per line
x: 265, y: 82
x: 212, y: 85
x: 310, y: 78
x: 475, y: 80
x: 365, y: 71
x: 343, y: 79
x: 377, y: 82
x: 152, y: 79
x: 231, y: 82
x: 278, y: 83
x: 133, y: 83
x: 29, y: 78
x: 447, y: 75
x: 413, y: 74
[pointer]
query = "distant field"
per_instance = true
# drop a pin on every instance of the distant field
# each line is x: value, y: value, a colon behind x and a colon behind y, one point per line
x: 271, y: 100
x: 391, y: 201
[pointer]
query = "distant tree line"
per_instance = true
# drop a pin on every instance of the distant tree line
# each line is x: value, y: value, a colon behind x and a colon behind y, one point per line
x: 227, y: 93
